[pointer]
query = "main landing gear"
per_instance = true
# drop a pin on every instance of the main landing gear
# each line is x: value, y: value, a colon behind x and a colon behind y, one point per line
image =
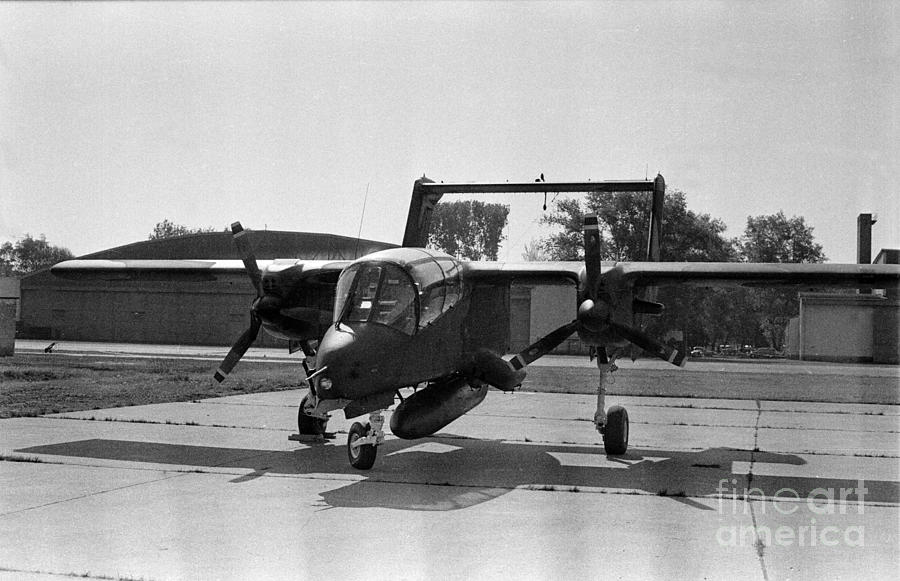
x: 613, y: 423
x: 363, y: 441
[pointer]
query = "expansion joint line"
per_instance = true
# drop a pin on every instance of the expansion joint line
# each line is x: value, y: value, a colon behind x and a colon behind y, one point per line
x: 758, y: 544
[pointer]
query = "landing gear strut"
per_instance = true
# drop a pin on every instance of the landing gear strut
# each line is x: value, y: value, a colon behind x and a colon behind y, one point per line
x: 612, y: 424
x: 309, y: 423
x: 363, y: 441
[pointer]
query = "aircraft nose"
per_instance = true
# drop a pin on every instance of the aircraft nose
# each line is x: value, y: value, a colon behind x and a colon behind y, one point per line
x: 347, y: 361
x: 359, y: 361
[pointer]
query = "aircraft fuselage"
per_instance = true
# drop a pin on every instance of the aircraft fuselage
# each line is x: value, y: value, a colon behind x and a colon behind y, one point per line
x: 403, y: 317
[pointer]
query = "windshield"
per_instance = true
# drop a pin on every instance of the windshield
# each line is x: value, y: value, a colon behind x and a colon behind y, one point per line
x: 377, y: 293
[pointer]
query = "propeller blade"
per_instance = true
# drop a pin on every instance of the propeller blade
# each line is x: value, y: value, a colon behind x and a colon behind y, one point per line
x: 238, y: 349
x: 649, y: 344
x: 592, y: 256
x: 243, y: 244
x: 543, y: 345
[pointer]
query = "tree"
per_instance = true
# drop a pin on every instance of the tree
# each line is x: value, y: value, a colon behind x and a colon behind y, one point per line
x: 775, y: 238
x: 470, y: 230
x: 534, y: 251
x: 30, y: 255
x: 624, y: 220
x: 166, y: 229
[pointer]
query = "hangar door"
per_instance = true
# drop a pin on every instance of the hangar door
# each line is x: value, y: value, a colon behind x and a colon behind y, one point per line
x: 519, y: 317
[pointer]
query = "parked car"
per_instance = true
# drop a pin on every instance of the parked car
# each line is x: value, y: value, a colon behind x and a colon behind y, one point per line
x: 698, y: 352
x: 765, y: 353
x: 728, y: 350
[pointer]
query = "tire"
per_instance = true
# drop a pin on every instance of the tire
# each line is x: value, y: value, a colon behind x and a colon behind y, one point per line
x: 309, y: 425
x: 615, y: 435
x: 363, y: 457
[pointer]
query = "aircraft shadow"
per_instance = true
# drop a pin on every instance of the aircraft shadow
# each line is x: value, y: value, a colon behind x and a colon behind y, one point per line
x: 460, y: 472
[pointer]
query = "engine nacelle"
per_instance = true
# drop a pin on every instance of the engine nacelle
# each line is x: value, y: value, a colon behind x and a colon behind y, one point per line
x: 427, y: 411
x: 487, y: 367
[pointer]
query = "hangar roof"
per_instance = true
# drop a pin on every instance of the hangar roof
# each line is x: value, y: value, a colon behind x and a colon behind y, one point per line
x: 267, y: 245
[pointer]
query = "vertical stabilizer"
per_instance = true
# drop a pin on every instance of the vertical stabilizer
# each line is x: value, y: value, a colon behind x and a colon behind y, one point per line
x: 656, y: 212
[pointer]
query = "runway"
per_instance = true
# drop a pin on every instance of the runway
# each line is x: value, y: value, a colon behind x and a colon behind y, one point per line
x: 519, y: 488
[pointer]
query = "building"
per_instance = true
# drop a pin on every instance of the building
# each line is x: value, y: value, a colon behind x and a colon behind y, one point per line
x: 538, y: 309
x: 183, y: 313
x: 862, y: 327
x: 846, y: 328
x: 9, y: 304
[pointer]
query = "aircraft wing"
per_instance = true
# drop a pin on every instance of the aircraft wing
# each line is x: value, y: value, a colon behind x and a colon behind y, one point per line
x: 811, y: 276
x: 178, y: 270
x: 503, y: 272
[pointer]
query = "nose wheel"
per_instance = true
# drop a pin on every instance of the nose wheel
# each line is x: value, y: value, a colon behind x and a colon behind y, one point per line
x: 363, y: 441
x: 615, y: 432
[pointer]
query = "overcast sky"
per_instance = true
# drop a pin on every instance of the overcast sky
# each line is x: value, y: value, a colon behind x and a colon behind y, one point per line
x: 114, y: 116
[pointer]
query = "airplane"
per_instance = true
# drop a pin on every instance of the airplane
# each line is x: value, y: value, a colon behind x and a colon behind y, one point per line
x: 416, y: 317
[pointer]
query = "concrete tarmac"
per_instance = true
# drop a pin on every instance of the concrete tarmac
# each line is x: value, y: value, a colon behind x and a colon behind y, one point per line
x: 519, y: 488
x: 273, y: 355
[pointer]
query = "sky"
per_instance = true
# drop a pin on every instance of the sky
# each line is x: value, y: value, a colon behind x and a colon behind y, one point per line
x: 293, y: 116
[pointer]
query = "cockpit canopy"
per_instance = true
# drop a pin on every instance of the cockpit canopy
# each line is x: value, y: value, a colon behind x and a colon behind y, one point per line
x: 404, y: 288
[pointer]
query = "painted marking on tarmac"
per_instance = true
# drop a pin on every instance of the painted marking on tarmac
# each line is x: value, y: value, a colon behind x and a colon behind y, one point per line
x: 428, y: 448
x: 577, y: 460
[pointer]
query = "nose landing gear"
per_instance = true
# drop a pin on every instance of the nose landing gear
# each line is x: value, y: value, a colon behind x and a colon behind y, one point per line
x: 613, y: 423
x: 363, y: 441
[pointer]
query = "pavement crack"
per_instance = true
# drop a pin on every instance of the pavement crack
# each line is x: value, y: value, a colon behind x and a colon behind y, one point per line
x: 92, y: 494
x: 759, y: 545
x: 86, y: 575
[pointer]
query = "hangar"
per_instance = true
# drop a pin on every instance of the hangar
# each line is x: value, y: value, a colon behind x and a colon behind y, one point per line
x: 217, y: 312
x: 183, y: 313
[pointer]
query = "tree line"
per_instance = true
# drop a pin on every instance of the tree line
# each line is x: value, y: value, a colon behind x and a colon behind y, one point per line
x: 699, y: 316
x: 474, y: 230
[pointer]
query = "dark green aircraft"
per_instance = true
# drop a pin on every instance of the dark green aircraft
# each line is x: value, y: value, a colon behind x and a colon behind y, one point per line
x: 414, y: 317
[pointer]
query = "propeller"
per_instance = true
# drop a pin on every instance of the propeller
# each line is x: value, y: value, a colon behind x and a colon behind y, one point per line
x: 592, y: 254
x: 594, y: 313
x: 239, y: 348
x: 263, y: 303
x: 649, y: 344
x: 544, y: 345
x: 238, y: 234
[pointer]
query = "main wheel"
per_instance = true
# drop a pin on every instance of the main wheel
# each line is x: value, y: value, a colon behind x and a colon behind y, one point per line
x: 615, y: 434
x: 308, y: 424
x: 361, y: 457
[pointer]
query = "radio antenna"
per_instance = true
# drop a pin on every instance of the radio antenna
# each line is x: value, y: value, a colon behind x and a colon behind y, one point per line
x: 361, y: 217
